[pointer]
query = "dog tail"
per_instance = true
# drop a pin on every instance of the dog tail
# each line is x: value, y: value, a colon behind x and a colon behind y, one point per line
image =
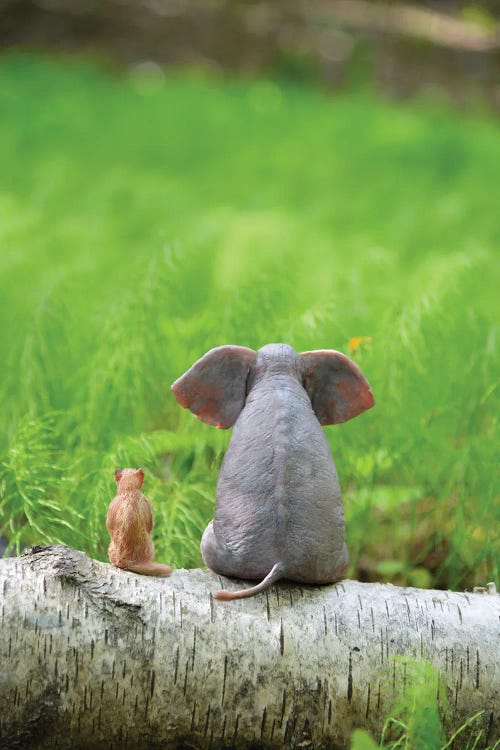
x: 276, y: 572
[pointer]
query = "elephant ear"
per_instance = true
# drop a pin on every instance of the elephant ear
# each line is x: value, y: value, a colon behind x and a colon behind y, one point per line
x: 214, y: 388
x: 336, y: 386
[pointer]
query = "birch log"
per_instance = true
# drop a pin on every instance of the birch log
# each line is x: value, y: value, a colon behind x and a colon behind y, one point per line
x: 94, y: 657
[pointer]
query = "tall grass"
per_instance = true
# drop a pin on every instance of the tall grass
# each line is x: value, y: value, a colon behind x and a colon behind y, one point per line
x: 143, y: 222
x: 419, y: 714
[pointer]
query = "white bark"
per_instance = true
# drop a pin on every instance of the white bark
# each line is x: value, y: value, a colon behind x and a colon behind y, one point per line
x: 95, y: 657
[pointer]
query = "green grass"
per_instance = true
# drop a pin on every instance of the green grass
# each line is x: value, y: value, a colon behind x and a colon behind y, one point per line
x: 144, y: 221
x: 418, y: 716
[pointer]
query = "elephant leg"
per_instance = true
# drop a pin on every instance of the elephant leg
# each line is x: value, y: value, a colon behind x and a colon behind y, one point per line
x: 214, y: 555
x: 341, y: 563
x: 222, y: 559
x: 320, y: 570
x: 336, y: 568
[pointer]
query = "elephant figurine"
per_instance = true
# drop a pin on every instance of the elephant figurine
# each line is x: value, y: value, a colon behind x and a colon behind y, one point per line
x: 278, y: 510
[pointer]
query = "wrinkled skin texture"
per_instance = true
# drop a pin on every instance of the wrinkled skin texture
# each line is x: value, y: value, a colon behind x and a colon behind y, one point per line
x: 278, y: 506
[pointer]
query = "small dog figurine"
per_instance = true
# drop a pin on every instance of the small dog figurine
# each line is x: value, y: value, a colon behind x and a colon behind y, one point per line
x: 130, y: 522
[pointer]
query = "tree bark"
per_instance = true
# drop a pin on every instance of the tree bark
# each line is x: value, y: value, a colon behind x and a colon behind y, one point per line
x: 95, y: 657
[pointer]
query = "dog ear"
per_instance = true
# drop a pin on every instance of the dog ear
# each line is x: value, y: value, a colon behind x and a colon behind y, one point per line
x: 214, y: 388
x: 336, y: 386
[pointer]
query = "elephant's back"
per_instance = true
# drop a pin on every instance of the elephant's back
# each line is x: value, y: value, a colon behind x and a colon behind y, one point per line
x: 278, y: 494
x: 277, y: 444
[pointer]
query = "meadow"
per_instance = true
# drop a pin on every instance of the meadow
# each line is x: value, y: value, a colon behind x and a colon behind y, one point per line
x: 145, y: 219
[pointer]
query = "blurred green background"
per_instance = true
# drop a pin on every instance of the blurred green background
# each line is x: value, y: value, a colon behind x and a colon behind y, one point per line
x: 148, y: 214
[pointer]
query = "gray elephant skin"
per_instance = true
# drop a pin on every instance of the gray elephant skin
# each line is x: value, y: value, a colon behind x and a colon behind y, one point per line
x: 278, y: 510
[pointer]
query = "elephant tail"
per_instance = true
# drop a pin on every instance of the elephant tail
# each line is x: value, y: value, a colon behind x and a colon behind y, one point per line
x: 276, y: 572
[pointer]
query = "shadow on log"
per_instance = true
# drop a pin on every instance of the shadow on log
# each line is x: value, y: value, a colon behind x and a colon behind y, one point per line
x: 95, y: 657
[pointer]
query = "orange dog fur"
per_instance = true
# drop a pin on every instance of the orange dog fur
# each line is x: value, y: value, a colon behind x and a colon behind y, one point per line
x: 130, y: 522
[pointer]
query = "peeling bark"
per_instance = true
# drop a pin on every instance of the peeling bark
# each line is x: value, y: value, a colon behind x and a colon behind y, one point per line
x: 95, y: 657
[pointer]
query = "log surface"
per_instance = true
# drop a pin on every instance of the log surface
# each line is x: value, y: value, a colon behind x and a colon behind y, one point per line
x: 95, y: 657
